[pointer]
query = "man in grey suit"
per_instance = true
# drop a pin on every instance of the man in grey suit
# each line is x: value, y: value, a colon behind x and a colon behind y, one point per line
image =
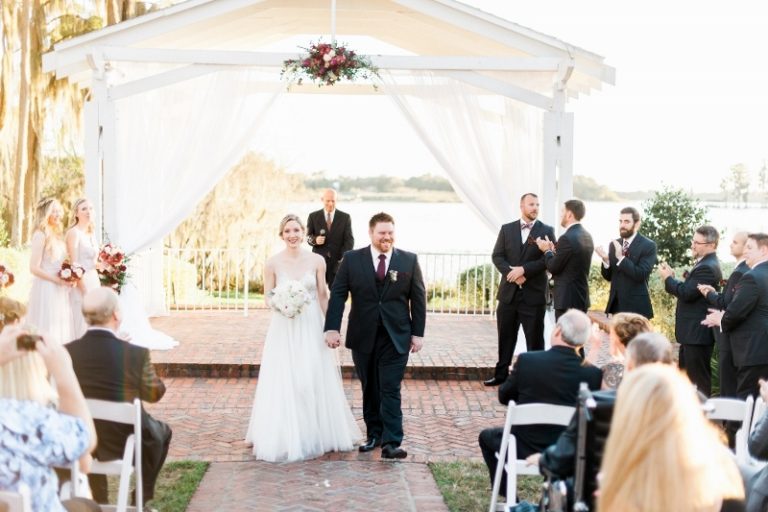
x: 523, y: 286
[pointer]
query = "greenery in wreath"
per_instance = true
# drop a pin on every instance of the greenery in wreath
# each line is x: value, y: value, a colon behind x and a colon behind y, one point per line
x: 326, y: 64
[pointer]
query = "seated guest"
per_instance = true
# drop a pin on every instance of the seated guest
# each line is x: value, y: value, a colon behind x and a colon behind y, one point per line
x: 624, y: 327
x: 39, y: 427
x: 757, y: 486
x: 559, y: 459
x: 109, y: 368
x: 551, y: 377
x: 662, y: 452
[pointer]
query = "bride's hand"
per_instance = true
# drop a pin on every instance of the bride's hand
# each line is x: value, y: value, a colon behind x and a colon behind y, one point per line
x: 332, y: 339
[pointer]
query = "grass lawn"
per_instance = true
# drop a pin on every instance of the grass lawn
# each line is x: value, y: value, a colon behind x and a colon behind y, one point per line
x: 175, y: 486
x: 465, y: 485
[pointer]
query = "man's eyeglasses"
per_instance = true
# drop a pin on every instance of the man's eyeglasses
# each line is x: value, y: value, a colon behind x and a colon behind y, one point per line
x: 695, y: 242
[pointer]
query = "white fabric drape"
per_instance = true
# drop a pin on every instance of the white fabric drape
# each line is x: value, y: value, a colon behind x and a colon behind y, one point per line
x: 489, y: 146
x: 173, y: 145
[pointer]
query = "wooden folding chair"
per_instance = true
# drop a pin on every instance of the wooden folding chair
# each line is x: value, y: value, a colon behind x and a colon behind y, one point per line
x: 526, y: 414
x: 129, y: 414
x: 731, y: 409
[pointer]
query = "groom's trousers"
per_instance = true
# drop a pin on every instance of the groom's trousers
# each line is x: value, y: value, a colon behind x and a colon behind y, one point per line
x: 381, y: 372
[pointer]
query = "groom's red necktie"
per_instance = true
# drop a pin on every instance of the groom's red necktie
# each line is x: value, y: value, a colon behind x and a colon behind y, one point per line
x: 381, y: 268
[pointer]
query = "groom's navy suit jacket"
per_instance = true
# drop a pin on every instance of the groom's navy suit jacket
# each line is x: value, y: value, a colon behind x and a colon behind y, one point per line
x: 400, y: 304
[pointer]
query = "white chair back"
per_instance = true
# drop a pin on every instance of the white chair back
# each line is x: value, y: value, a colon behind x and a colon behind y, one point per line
x: 731, y: 409
x: 129, y: 414
x: 526, y: 414
x: 18, y: 501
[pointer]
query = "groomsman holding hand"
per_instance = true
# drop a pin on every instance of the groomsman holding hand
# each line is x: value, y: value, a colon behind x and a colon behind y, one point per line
x: 522, y: 290
x: 696, y: 340
x: 627, y: 265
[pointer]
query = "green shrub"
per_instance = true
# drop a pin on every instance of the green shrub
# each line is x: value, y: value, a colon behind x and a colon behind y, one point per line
x: 669, y: 218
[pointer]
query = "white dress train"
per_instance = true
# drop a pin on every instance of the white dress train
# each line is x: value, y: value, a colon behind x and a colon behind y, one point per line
x: 300, y: 410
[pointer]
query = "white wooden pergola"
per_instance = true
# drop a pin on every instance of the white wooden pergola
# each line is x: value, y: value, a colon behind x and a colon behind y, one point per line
x: 445, y: 36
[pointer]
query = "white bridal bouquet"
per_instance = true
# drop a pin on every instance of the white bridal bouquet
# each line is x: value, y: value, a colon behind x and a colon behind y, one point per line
x: 289, y: 298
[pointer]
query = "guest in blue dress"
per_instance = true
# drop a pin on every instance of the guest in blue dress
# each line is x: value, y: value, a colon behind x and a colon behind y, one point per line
x: 40, y: 427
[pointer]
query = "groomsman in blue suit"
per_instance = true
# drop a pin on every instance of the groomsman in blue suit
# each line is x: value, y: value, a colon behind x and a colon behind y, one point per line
x: 523, y: 285
x: 627, y: 265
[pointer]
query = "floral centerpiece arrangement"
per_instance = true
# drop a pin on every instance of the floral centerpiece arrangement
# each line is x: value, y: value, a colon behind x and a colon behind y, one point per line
x: 112, y: 267
x: 327, y: 63
x: 289, y: 298
x: 71, y: 272
x: 6, y: 277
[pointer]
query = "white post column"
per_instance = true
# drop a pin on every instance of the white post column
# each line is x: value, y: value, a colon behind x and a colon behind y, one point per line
x: 93, y: 185
x: 557, y: 161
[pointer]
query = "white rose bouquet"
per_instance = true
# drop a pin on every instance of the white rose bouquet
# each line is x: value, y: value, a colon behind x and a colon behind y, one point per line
x: 289, y: 298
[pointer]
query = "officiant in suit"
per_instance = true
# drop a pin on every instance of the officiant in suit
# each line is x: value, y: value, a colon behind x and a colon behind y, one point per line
x: 627, y: 265
x: 523, y: 286
x: 386, y: 323
x: 329, y: 232
x: 109, y: 368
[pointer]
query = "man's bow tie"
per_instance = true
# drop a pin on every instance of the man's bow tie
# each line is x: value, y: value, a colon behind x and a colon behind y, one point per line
x: 526, y: 226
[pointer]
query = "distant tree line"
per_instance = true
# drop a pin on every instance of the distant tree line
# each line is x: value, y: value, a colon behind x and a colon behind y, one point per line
x: 379, y: 183
x: 738, y: 185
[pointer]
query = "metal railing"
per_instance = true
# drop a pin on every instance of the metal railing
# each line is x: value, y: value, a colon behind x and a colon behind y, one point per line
x: 230, y: 279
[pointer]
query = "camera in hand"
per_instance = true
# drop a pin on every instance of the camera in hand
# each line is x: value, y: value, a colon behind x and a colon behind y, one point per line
x: 27, y: 341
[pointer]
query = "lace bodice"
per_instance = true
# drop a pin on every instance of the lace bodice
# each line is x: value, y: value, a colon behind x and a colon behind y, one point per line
x: 54, y: 254
x: 86, y: 250
x: 308, y: 279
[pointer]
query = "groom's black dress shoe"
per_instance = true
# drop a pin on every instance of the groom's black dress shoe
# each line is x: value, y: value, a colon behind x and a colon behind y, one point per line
x: 495, y: 381
x: 370, y: 444
x: 391, y: 451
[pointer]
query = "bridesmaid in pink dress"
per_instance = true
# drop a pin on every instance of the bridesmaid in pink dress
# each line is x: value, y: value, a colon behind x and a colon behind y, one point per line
x: 48, y: 310
x: 83, y: 251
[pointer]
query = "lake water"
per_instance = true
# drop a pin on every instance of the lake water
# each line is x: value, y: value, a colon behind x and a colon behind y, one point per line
x: 454, y: 228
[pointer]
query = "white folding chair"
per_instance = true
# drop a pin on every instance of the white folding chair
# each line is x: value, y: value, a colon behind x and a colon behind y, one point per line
x: 18, y: 501
x: 730, y: 409
x: 129, y: 414
x: 526, y: 414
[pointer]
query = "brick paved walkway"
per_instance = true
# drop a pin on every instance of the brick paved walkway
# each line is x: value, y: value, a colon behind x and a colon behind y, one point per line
x: 211, y: 383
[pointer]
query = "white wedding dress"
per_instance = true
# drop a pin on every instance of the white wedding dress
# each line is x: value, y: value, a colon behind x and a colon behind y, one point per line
x: 300, y: 410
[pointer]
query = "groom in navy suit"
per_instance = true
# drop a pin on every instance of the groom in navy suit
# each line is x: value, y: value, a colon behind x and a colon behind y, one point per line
x: 523, y: 286
x: 386, y: 322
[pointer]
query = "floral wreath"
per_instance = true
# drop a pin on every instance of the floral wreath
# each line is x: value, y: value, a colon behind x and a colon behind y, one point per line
x: 327, y: 63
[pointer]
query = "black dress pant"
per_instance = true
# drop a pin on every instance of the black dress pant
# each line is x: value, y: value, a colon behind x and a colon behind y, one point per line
x: 696, y: 361
x: 381, y: 373
x: 490, y: 443
x: 725, y: 365
x: 509, y: 318
x: 747, y: 378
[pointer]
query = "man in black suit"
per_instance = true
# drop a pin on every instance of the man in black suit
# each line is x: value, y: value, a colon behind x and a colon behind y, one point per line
x: 523, y: 287
x: 569, y: 260
x: 745, y: 319
x: 726, y: 368
x: 109, y: 368
x: 329, y: 232
x: 551, y: 377
x: 389, y: 311
x: 696, y: 340
x: 627, y: 265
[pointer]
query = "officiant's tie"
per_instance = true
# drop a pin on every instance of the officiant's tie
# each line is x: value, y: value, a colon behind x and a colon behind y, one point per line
x: 328, y: 220
x: 382, y: 267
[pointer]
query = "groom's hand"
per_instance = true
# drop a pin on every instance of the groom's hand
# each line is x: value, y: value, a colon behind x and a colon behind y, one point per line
x: 416, y: 343
x: 332, y: 339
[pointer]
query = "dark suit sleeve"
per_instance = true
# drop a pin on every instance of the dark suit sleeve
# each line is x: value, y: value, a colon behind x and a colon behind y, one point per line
x: 716, y: 300
x: 499, y: 256
x: 152, y: 388
x: 537, y: 266
x: 349, y: 240
x: 339, y: 293
x: 556, y: 262
x: 687, y: 290
x: 509, y: 389
x: 744, y: 301
x: 311, y: 234
x: 639, y: 271
x: 418, y: 300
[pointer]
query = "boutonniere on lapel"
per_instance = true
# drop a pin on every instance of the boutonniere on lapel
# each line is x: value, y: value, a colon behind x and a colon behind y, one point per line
x: 531, y: 240
x: 722, y: 283
x: 686, y: 274
x: 392, y: 275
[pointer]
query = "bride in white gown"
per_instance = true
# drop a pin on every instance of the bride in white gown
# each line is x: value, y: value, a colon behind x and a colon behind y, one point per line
x: 300, y: 410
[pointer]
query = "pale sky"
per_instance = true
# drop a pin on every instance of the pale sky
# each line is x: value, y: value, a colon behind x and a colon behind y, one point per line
x: 691, y: 98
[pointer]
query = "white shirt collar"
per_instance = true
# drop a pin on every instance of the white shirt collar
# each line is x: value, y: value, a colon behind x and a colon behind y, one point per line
x: 375, y: 256
x: 569, y: 226
x: 630, y: 239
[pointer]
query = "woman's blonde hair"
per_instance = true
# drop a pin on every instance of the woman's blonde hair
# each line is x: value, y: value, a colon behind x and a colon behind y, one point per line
x: 89, y: 229
x: 662, y: 453
x: 288, y: 218
x: 24, y: 378
x: 42, y: 214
